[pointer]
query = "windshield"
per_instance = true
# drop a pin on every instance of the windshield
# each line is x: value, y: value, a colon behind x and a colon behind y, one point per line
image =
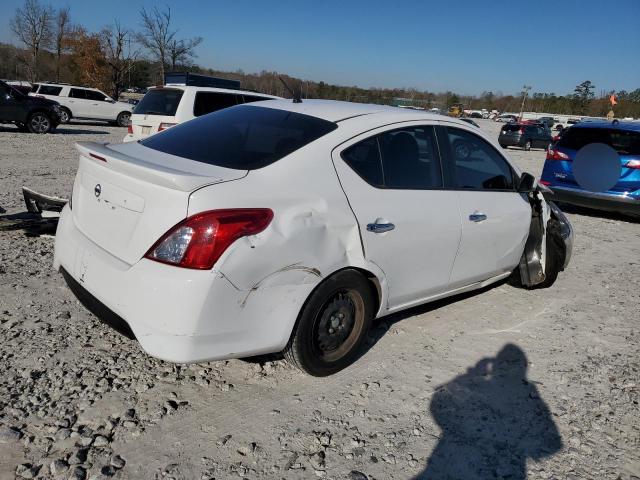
x: 159, y: 101
x: 244, y: 137
x: 625, y: 142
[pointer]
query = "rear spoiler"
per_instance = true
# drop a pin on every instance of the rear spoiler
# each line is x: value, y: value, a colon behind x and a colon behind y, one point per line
x: 162, y: 175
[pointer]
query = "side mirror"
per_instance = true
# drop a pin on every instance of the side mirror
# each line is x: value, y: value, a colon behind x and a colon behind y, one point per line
x: 526, y: 183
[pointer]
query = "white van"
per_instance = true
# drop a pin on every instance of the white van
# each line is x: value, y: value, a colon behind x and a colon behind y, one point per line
x: 165, y: 106
x: 84, y: 102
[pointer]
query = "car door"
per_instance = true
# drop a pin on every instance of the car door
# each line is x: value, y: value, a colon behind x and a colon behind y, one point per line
x: 78, y: 102
x: 495, y: 218
x: 98, y: 106
x: 409, y: 224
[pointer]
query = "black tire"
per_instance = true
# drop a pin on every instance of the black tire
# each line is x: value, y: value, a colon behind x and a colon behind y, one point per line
x: 527, y: 145
x: 65, y: 115
x: 332, y: 324
x: 504, y: 146
x: 123, y: 119
x: 39, y: 122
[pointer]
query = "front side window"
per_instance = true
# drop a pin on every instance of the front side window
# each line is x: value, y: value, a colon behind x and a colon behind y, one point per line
x: 208, y: 102
x: 477, y: 165
x: 243, y: 137
x: 95, y: 96
x: 407, y: 158
x: 253, y: 98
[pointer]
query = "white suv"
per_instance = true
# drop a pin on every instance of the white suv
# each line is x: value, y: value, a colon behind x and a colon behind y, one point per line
x: 168, y: 105
x: 84, y: 102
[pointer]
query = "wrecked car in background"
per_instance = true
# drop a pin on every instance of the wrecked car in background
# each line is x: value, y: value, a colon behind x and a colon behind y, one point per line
x: 288, y: 227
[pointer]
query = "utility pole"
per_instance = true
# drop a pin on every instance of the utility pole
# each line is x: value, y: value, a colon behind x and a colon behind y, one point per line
x: 525, y: 93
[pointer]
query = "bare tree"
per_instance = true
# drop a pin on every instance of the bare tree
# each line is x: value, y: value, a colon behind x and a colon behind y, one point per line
x: 32, y: 26
x: 120, y: 54
x: 182, y: 51
x: 156, y: 34
x: 62, y: 29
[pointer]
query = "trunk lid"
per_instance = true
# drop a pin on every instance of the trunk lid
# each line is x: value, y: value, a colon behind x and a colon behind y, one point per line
x: 127, y: 196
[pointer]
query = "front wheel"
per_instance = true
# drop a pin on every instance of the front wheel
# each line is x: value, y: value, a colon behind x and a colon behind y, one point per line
x: 527, y: 145
x: 39, y: 122
x: 123, y: 119
x: 65, y: 115
x: 332, y: 324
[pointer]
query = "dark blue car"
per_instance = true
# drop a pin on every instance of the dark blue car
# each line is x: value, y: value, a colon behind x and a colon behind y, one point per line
x: 624, y: 138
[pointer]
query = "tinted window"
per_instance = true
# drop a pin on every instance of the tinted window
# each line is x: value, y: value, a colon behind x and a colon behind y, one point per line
x: 477, y: 164
x: 623, y: 141
x: 400, y: 159
x: 364, y: 159
x: 410, y: 158
x: 49, y: 90
x: 254, y: 98
x: 96, y: 96
x: 77, y: 93
x: 511, y: 128
x: 242, y: 137
x: 159, y: 101
x: 207, y: 102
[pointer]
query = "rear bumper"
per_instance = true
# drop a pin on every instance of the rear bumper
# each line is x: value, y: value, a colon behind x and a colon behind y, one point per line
x: 510, y: 141
x: 176, y: 314
x: 600, y: 201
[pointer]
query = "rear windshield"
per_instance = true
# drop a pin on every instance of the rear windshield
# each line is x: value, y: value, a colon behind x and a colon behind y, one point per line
x: 623, y: 141
x: 243, y: 137
x: 512, y: 128
x: 159, y: 101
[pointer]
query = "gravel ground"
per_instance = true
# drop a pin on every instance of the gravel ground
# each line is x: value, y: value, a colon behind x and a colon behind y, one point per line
x: 503, y: 383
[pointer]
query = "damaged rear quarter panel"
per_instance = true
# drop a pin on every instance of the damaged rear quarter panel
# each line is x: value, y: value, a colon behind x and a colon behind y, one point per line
x: 313, y: 234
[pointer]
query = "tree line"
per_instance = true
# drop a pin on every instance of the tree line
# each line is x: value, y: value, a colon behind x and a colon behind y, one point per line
x: 53, y: 47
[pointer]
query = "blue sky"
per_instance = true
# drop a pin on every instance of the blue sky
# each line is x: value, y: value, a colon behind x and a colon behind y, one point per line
x: 466, y: 46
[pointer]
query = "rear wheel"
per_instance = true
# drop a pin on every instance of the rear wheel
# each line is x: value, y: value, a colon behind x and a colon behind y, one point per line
x: 527, y: 145
x: 332, y: 324
x: 65, y: 115
x: 123, y: 119
x: 39, y: 122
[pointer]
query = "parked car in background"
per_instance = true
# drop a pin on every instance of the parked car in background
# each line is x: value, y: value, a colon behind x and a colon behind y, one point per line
x: 35, y: 115
x: 548, y: 121
x: 506, y: 118
x: 175, y: 239
x: 173, y: 103
x: 524, y: 135
x: 624, y: 138
x: 84, y: 103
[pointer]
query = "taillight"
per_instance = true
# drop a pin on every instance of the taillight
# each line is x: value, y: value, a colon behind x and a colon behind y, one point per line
x: 635, y: 164
x: 130, y: 128
x: 554, y: 154
x: 545, y: 183
x: 164, y: 126
x: 199, y: 241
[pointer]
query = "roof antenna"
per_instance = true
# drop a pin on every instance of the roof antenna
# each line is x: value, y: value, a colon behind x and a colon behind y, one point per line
x: 296, y: 96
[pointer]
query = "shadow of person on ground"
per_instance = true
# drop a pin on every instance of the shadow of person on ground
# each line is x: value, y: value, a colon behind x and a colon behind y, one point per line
x: 492, y: 420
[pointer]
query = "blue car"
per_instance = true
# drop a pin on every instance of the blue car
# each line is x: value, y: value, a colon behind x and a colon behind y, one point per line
x: 557, y: 174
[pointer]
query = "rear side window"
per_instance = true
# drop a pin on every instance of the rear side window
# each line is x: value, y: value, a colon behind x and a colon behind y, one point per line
x: 78, y: 93
x: 159, y: 101
x: 49, y: 90
x: 478, y: 166
x: 622, y: 141
x: 207, y: 102
x: 399, y: 159
x: 243, y: 137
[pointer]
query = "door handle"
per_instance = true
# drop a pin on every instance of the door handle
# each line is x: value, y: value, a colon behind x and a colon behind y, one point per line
x: 477, y: 217
x: 380, y: 227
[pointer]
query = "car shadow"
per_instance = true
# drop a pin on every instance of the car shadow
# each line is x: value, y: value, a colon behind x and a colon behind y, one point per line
x: 76, y: 131
x: 590, y: 212
x: 492, y: 421
x: 32, y: 224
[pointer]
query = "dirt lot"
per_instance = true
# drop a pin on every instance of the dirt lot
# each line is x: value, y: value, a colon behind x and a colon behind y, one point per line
x: 503, y: 383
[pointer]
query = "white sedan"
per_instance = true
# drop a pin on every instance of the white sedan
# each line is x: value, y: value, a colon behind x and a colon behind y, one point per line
x: 288, y: 227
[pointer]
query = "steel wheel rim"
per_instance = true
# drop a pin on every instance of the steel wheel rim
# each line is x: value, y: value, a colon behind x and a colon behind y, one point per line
x: 40, y: 123
x: 64, y: 116
x: 338, y: 325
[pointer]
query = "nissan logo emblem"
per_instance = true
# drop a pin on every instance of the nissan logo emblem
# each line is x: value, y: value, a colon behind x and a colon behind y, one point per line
x: 97, y: 190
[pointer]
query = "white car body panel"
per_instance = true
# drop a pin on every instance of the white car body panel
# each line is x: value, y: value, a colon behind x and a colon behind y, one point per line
x: 248, y: 303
